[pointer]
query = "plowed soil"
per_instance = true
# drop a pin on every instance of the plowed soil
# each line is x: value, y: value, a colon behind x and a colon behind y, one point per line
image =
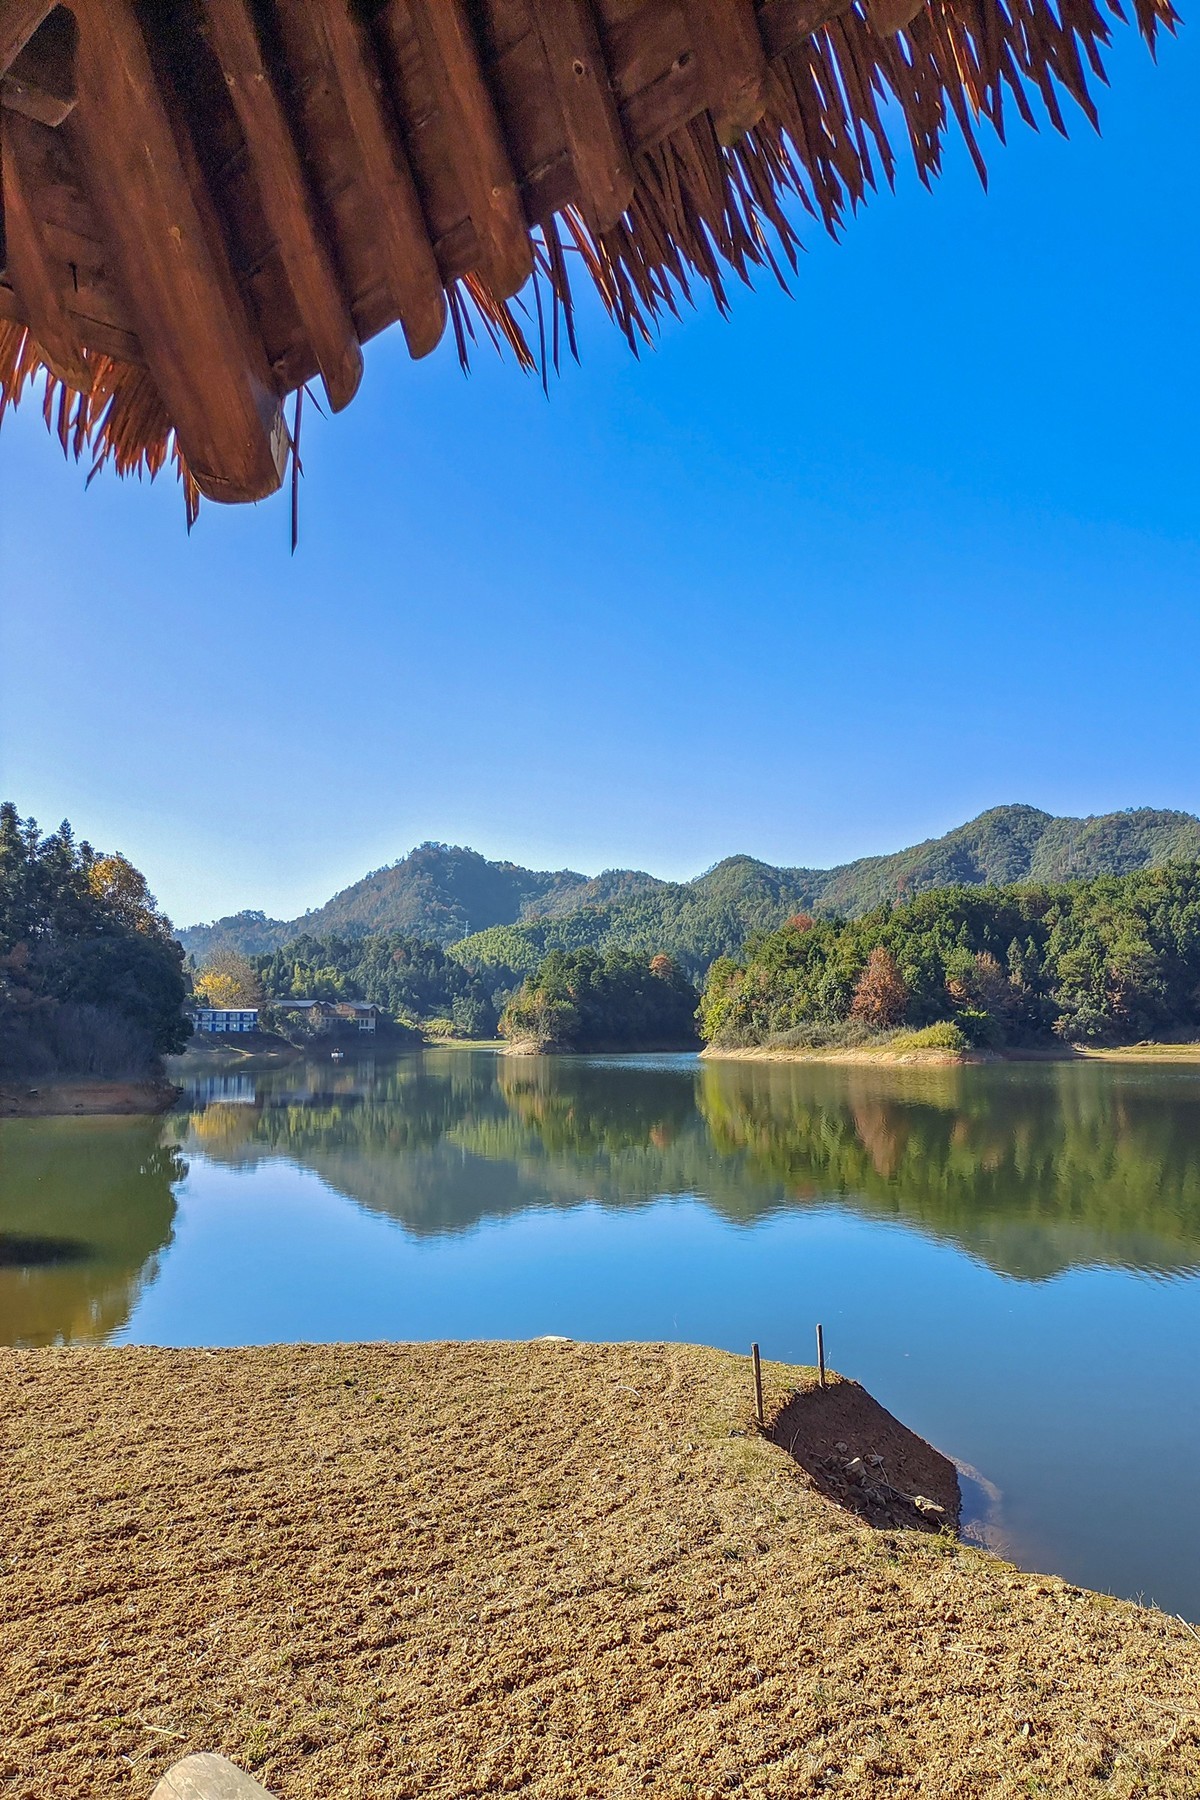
x: 381, y: 1572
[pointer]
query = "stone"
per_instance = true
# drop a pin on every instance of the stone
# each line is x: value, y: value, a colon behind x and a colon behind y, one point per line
x: 208, y: 1777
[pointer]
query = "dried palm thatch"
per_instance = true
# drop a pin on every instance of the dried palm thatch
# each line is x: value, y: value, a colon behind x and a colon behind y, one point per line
x: 660, y: 147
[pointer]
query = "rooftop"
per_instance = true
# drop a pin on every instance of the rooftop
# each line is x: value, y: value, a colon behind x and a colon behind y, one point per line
x: 209, y: 204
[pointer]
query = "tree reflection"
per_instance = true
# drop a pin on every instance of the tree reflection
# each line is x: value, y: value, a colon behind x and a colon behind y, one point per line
x: 1034, y: 1168
x: 86, y: 1206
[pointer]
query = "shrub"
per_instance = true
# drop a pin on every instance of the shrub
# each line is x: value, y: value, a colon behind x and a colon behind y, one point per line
x: 945, y: 1036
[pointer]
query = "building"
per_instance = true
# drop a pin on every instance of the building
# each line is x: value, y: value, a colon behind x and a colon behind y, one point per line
x: 333, y: 1015
x: 225, y: 1018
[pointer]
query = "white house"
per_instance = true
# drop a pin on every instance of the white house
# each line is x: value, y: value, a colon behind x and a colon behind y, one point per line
x: 225, y: 1018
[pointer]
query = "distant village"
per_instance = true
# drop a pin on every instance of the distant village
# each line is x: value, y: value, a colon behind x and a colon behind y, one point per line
x: 320, y: 1016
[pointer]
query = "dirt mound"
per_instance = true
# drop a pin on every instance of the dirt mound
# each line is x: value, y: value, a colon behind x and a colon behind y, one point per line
x: 862, y: 1458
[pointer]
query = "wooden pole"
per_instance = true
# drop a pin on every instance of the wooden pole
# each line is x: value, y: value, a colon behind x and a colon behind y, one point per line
x: 758, y: 1404
x: 821, y: 1353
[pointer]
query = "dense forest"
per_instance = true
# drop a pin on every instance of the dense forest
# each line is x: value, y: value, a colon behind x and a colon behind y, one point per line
x: 697, y: 921
x: 445, y: 895
x: 1112, y: 960
x: 91, y: 979
x: 580, y: 1000
x: 438, y: 893
x: 412, y: 981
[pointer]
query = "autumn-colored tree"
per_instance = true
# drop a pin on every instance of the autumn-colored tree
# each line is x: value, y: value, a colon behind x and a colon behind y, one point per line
x: 801, y: 921
x: 125, y: 894
x: 228, y: 979
x: 881, y: 994
x: 661, y: 965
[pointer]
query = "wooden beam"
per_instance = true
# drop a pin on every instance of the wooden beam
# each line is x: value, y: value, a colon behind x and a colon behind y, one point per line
x: 286, y: 201
x: 37, y: 282
x: 382, y: 166
x: 41, y: 82
x: 19, y: 19
x: 733, y: 63
x: 579, y: 75
x: 475, y: 143
x: 890, y: 16
x: 786, y: 23
x: 205, y: 355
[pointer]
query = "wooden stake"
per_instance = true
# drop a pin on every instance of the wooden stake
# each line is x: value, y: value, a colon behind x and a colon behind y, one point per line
x: 821, y: 1353
x: 758, y: 1404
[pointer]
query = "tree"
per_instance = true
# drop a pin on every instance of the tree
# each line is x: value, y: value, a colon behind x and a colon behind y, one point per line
x: 881, y: 995
x: 125, y: 893
x: 89, y: 971
x: 229, y: 979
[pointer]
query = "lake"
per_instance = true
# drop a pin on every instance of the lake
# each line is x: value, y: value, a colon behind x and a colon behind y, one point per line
x: 1007, y: 1257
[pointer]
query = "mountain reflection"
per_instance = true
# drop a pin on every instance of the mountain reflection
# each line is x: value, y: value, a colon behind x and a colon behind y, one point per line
x: 86, y: 1205
x: 1032, y: 1168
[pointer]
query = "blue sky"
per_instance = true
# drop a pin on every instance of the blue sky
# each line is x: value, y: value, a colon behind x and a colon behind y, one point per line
x: 819, y: 580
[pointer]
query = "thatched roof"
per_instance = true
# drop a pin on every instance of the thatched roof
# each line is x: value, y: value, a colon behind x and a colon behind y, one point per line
x: 210, y: 203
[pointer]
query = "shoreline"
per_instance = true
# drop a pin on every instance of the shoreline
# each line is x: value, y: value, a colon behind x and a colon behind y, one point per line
x: 866, y: 1056
x: 55, y: 1098
x: 283, y: 1555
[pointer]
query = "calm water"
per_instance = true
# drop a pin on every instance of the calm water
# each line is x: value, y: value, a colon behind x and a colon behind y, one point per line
x: 1007, y: 1257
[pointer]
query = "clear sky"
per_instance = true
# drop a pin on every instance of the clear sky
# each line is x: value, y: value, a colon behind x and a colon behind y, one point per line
x: 820, y: 580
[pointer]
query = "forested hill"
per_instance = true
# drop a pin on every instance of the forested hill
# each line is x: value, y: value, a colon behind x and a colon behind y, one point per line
x: 438, y: 893
x: 697, y: 921
x: 511, y: 917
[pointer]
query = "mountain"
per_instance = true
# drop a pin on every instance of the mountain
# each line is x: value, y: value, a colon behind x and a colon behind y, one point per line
x: 503, y: 918
x: 438, y: 892
x: 713, y: 915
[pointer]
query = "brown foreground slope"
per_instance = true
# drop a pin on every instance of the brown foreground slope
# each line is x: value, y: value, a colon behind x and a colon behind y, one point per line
x: 550, y: 1569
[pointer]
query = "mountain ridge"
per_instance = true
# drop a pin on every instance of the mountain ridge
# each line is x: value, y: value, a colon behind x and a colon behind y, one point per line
x: 504, y: 916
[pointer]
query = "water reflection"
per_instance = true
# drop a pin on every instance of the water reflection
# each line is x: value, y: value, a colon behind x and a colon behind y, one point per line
x: 1032, y: 1168
x: 86, y: 1206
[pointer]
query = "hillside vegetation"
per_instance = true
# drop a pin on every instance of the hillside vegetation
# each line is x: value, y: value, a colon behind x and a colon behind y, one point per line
x: 412, y: 981
x: 697, y: 921
x: 583, y: 1001
x: 505, y: 919
x: 1112, y: 960
x: 438, y: 893
x: 91, y: 978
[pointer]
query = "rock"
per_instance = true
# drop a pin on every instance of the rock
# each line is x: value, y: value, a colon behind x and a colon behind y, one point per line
x: 208, y: 1778
x: 930, y: 1508
x: 842, y: 1448
x: 856, y: 1469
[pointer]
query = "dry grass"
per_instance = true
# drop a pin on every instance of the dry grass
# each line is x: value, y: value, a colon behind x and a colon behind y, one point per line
x: 552, y: 1569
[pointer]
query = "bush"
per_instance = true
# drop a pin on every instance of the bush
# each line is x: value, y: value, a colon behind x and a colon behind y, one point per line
x: 840, y: 1034
x: 945, y: 1036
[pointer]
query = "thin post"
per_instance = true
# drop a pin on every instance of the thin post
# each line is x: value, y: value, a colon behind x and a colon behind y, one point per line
x: 758, y: 1404
x: 821, y: 1353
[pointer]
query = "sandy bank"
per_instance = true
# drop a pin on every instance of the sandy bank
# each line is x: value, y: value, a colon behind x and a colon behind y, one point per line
x: 863, y: 1055
x: 20, y: 1100
x: 553, y: 1569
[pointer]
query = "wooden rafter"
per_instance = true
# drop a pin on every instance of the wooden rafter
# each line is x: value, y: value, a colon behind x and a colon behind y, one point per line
x: 474, y: 143
x: 19, y: 19
x: 199, y: 343
x: 579, y: 75
x: 286, y: 200
x: 41, y: 81
x: 733, y: 65
x: 411, y: 267
x: 37, y: 280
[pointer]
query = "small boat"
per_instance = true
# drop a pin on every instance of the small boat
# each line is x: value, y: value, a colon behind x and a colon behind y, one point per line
x: 337, y: 1055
